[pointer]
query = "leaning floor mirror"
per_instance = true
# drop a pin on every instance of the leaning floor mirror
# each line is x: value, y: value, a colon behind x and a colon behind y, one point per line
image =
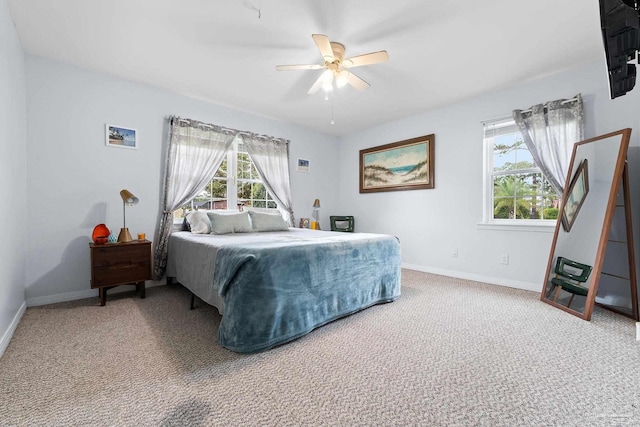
x: 592, y: 255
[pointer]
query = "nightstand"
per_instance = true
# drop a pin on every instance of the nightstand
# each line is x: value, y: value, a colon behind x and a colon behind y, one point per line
x: 115, y: 264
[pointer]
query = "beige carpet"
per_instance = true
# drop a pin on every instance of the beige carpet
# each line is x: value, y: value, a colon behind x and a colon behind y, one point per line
x: 449, y: 352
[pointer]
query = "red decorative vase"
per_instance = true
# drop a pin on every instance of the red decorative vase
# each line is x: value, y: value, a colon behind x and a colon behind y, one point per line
x: 100, y: 234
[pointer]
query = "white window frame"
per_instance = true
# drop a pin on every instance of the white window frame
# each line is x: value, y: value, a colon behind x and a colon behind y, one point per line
x: 232, y: 182
x: 488, y: 221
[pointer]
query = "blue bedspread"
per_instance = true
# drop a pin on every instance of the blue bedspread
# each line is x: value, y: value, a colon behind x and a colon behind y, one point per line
x: 276, y: 292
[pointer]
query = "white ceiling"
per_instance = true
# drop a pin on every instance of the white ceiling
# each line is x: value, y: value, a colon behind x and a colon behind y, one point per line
x: 225, y: 51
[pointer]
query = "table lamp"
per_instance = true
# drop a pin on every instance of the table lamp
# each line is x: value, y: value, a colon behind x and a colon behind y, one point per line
x: 315, y: 224
x: 127, y: 199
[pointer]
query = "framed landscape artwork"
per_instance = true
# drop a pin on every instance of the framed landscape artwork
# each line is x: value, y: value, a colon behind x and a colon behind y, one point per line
x: 120, y: 137
x: 403, y: 165
x: 578, y: 190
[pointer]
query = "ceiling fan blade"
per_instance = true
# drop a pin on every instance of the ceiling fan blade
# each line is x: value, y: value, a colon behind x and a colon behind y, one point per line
x: 356, y: 81
x: 298, y: 67
x: 366, y: 59
x: 317, y: 85
x: 324, y: 46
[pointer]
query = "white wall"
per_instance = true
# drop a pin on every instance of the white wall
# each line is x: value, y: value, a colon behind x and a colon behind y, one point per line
x: 432, y: 223
x: 13, y: 140
x: 74, y: 179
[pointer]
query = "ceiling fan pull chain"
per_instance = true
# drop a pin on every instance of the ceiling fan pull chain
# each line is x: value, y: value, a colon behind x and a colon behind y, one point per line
x: 333, y: 122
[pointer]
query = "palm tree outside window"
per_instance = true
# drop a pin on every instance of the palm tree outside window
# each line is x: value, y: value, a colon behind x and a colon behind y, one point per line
x: 515, y: 186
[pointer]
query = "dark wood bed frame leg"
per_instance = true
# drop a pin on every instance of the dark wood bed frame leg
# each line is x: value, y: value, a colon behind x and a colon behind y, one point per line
x: 193, y: 300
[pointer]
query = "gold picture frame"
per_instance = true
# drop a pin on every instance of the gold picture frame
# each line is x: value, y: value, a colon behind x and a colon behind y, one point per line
x: 403, y: 165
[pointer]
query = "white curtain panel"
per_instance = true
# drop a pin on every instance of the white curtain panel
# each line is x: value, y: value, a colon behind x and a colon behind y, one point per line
x: 271, y: 158
x: 550, y: 130
x: 196, y: 150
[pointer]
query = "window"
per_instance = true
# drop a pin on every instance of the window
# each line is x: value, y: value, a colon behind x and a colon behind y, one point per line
x: 235, y: 183
x: 516, y: 190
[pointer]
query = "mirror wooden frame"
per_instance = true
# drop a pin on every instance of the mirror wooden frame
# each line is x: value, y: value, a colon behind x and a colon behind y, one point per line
x: 604, y: 234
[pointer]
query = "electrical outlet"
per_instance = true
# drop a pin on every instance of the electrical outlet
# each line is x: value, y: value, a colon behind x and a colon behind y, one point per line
x: 505, y: 259
x: 455, y: 253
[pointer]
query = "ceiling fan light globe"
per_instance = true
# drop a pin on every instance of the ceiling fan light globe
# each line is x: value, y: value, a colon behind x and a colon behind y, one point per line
x: 342, y: 79
x: 327, y: 81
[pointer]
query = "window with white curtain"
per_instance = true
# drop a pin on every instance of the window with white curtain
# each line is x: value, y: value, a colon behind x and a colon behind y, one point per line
x: 515, y: 189
x: 235, y: 183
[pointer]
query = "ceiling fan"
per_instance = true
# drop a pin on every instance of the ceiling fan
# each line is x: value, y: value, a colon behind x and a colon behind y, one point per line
x: 337, y: 67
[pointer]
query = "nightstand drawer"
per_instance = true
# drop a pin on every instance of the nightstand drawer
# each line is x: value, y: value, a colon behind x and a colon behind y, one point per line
x: 125, y: 272
x: 117, y: 255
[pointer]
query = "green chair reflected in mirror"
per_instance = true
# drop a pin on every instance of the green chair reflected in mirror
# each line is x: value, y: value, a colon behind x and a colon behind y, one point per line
x: 570, y: 277
x: 341, y: 223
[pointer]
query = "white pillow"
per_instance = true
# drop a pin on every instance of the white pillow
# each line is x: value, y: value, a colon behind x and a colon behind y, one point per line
x: 199, y: 222
x: 225, y: 223
x: 268, y: 221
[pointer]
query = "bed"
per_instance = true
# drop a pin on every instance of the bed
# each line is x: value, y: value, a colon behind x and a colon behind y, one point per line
x: 273, y: 287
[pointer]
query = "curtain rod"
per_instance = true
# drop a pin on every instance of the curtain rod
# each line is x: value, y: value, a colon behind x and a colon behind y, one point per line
x: 194, y: 122
x: 566, y: 101
x: 223, y: 129
x: 499, y: 119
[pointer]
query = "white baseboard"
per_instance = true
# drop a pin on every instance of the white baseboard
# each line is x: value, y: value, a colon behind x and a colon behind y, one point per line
x: 527, y: 286
x: 4, y: 342
x: 68, y: 296
x: 87, y: 293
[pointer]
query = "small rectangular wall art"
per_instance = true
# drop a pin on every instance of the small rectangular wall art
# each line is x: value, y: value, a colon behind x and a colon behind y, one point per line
x: 303, y: 165
x: 121, y: 137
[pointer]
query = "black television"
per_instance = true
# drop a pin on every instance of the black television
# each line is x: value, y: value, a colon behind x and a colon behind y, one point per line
x: 620, y: 23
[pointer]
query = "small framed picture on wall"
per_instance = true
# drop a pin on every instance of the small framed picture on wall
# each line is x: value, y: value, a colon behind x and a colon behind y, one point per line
x: 117, y: 136
x: 303, y: 165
